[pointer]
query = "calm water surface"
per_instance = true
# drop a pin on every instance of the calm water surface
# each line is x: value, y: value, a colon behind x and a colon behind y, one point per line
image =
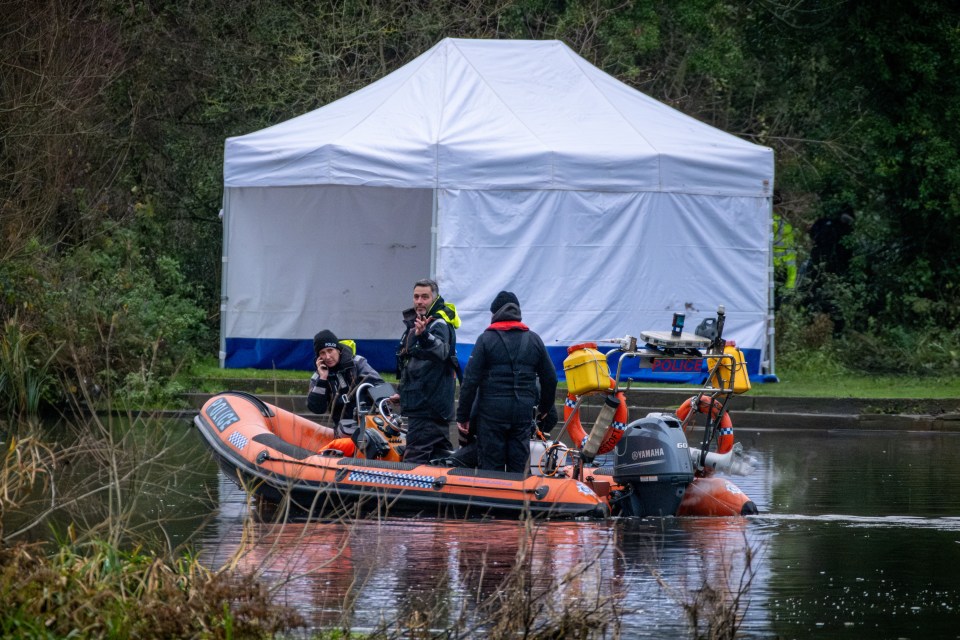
x: 858, y: 537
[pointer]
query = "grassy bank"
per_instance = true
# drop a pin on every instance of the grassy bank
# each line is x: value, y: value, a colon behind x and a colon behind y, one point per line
x: 814, y: 378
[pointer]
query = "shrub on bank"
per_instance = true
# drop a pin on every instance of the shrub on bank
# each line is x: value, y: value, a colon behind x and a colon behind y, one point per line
x: 108, y: 593
x: 104, y: 318
x: 809, y: 343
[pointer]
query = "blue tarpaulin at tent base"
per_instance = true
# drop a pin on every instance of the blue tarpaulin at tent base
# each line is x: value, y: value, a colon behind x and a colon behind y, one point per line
x: 381, y: 354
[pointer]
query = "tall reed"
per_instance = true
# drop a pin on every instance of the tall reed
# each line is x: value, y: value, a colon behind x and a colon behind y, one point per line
x: 25, y: 373
x: 103, y: 573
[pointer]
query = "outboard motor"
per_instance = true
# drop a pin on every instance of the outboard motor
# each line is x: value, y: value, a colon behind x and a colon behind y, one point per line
x: 653, y: 460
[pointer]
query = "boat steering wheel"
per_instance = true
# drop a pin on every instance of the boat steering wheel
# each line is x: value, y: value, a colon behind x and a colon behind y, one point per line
x: 387, y: 416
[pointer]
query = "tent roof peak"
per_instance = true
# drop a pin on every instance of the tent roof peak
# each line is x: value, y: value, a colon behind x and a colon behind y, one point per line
x: 475, y: 113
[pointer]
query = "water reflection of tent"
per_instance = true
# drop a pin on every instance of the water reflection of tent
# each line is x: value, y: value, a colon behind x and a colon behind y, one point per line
x: 491, y: 164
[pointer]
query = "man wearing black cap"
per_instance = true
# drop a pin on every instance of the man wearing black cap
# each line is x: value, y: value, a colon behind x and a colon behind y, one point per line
x: 338, y: 373
x: 502, y: 375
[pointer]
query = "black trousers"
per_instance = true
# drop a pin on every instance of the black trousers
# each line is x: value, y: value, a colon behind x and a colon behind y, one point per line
x: 427, y: 439
x: 504, y: 445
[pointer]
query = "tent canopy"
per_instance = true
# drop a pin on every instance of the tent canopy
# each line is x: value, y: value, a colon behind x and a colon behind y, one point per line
x: 500, y: 114
x: 491, y: 164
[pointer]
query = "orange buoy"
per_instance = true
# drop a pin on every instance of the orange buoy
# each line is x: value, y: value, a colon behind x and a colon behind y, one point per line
x: 711, y: 406
x: 579, y: 436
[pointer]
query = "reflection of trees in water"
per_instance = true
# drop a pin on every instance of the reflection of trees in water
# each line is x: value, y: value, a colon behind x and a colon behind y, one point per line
x: 400, y: 574
x: 518, y: 578
x: 485, y: 557
x: 309, y: 566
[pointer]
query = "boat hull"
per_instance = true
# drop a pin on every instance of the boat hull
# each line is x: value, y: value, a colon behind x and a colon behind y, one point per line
x: 286, y: 459
x: 715, y: 496
x: 283, y: 457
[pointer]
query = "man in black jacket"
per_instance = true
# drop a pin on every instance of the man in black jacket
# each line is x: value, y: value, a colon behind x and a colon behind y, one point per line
x: 502, y: 375
x: 427, y: 363
x: 339, y: 372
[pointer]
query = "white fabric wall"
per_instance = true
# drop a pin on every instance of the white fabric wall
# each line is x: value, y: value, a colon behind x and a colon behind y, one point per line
x: 603, y: 209
x: 591, y: 265
x: 301, y: 259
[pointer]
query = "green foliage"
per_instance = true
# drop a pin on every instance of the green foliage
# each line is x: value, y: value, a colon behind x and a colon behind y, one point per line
x: 896, y: 348
x: 805, y: 345
x: 144, y: 389
x: 107, y: 592
x: 880, y: 88
x: 809, y: 347
x: 127, y: 317
x: 26, y: 374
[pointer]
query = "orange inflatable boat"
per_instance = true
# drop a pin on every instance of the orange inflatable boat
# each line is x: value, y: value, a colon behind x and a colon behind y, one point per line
x: 643, y: 468
x: 282, y: 456
x: 286, y: 458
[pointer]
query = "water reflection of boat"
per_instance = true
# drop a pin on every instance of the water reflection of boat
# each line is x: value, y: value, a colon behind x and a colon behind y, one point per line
x: 650, y: 470
x: 368, y: 572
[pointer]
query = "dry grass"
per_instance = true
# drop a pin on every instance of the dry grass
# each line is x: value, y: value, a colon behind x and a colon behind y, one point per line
x: 716, y: 606
x: 96, y: 578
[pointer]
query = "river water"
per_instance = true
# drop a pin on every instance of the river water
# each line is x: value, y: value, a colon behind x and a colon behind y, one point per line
x: 858, y: 536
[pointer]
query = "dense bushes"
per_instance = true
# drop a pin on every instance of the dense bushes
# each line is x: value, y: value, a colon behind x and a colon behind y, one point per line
x: 106, y: 317
x: 113, y: 116
x: 127, y: 319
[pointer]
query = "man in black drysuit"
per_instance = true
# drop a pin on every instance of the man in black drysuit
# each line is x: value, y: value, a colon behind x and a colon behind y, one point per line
x: 502, y: 375
x: 427, y: 360
x: 339, y: 372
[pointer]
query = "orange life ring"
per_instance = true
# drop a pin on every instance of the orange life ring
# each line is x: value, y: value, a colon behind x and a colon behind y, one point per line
x: 579, y: 436
x: 725, y: 435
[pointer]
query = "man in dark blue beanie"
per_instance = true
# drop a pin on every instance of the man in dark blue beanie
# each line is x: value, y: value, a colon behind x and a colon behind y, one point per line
x: 502, y: 377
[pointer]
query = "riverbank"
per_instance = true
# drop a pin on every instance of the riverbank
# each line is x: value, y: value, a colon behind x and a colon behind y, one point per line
x: 748, y: 411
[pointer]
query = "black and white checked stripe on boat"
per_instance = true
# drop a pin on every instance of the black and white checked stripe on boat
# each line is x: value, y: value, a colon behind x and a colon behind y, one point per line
x: 392, y: 478
x: 238, y: 440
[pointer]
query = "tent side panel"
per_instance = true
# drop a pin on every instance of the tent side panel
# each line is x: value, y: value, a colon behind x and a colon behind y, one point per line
x: 303, y: 259
x: 596, y: 265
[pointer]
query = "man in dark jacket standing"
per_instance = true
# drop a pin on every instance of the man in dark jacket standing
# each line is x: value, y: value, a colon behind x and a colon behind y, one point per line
x: 427, y: 362
x: 338, y: 374
x: 501, y: 376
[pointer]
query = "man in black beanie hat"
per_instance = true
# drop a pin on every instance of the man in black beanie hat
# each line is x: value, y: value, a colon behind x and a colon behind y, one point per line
x: 502, y: 377
x: 338, y: 373
x: 503, y: 298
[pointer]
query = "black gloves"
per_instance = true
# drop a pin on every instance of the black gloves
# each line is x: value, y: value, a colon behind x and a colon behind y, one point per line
x: 547, y: 421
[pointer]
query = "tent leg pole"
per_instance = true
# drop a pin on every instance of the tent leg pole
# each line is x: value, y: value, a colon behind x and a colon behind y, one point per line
x: 224, y: 261
x: 433, y: 237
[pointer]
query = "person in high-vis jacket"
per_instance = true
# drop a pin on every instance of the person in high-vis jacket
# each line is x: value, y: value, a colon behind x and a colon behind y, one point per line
x: 338, y: 374
x: 427, y: 363
x: 784, y: 253
x: 512, y: 380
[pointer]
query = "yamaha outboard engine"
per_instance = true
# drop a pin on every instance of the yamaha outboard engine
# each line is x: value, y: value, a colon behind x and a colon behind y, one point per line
x: 653, y: 462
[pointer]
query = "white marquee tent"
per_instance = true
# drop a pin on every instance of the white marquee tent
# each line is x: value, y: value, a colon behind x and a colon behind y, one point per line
x: 491, y: 164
